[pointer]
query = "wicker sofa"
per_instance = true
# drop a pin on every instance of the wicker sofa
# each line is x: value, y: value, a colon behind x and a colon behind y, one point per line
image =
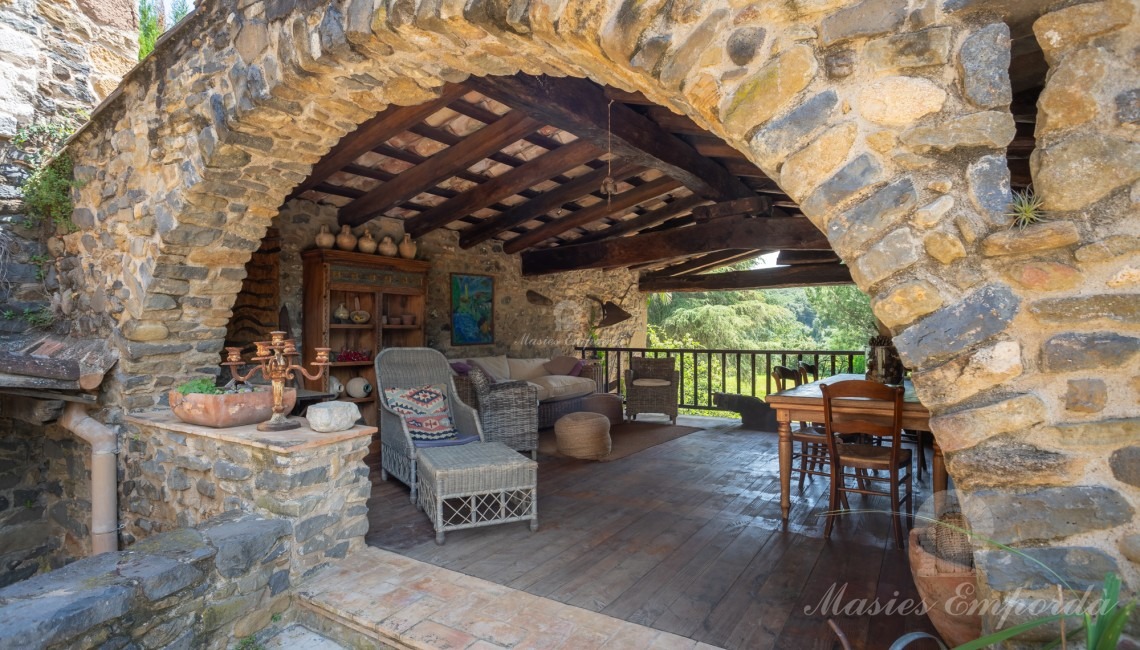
x: 528, y: 373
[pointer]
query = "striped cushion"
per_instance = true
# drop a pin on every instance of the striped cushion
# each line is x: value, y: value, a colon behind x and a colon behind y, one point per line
x: 424, y: 409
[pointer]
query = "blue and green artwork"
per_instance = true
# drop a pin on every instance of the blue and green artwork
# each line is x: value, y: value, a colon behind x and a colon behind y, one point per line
x: 472, y: 309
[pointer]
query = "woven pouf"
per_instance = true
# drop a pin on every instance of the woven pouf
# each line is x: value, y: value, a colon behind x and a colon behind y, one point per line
x: 583, y: 435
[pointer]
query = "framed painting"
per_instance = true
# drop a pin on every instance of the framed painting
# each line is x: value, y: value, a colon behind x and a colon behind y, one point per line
x: 472, y: 309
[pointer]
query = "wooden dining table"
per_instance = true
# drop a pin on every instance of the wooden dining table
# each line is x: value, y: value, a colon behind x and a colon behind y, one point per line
x: 804, y: 403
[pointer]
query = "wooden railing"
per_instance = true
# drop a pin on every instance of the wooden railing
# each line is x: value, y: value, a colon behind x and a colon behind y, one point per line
x: 705, y: 372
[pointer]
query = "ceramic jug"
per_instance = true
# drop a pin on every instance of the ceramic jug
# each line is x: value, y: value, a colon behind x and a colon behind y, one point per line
x: 387, y: 247
x: 346, y: 241
x: 408, y: 247
x: 366, y: 244
x: 325, y: 239
x: 341, y: 313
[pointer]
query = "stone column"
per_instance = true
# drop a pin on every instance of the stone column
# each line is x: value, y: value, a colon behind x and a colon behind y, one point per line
x: 179, y: 475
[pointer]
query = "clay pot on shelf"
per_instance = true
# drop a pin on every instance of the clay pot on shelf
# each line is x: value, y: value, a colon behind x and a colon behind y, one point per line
x: 346, y: 241
x: 359, y: 317
x: 325, y: 239
x: 408, y: 248
x: 409, y: 319
x: 366, y: 244
x: 341, y: 314
x: 387, y: 247
x: 358, y: 387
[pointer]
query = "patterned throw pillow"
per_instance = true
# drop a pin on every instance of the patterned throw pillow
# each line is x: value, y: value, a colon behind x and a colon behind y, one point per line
x: 424, y: 409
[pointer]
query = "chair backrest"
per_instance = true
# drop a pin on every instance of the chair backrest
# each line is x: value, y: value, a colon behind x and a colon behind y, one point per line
x: 783, y: 374
x: 412, y: 367
x: 809, y: 372
x: 885, y: 426
x: 653, y: 368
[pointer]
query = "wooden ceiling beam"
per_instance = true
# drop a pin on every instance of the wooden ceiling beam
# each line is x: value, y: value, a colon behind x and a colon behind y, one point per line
x: 388, y: 124
x: 771, y: 233
x: 617, y: 204
x: 581, y: 107
x: 628, y: 97
x: 712, y: 146
x: 808, y: 275
x: 544, y: 202
x: 442, y: 165
x: 500, y: 187
x: 742, y: 167
x: 703, y: 263
x: 648, y: 220
x: 795, y: 258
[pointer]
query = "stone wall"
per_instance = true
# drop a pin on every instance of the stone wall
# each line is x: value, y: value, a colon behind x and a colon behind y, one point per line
x: 522, y: 329
x: 45, y: 508
x: 58, y: 59
x: 886, y: 121
x: 203, y: 587
x: 178, y: 475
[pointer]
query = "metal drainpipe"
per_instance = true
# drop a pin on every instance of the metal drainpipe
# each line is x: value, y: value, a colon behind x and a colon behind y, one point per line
x: 104, y: 481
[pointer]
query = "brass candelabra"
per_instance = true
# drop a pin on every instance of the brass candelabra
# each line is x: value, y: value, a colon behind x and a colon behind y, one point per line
x: 277, y: 361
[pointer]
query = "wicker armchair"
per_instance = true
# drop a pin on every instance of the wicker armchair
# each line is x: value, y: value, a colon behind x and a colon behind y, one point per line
x: 659, y: 398
x: 508, y: 411
x: 409, y: 368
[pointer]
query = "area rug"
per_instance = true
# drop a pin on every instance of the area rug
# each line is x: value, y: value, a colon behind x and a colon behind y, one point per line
x: 626, y: 438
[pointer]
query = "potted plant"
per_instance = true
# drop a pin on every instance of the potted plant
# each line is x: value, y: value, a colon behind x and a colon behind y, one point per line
x: 199, y: 401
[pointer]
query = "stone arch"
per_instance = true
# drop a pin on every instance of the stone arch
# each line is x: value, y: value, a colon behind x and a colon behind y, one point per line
x: 873, y: 115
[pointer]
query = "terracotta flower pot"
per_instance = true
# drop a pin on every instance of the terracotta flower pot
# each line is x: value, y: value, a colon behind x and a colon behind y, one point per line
x: 947, y: 589
x: 227, y: 410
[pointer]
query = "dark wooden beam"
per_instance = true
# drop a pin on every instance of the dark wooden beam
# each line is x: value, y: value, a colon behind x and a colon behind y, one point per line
x: 500, y: 187
x: 647, y: 220
x: 791, y: 258
x: 712, y: 146
x: 743, y: 167
x: 388, y: 124
x: 617, y: 204
x: 581, y: 107
x: 675, y: 123
x: 628, y: 97
x: 442, y: 165
x: 808, y: 275
x: 771, y: 233
x: 545, y: 202
x: 703, y: 263
x: 753, y: 206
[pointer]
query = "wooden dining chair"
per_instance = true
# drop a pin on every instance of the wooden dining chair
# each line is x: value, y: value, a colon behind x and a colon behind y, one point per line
x: 813, y: 444
x: 809, y: 372
x: 863, y: 459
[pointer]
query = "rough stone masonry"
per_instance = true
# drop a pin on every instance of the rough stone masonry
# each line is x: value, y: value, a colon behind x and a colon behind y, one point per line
x: 1023, y: 345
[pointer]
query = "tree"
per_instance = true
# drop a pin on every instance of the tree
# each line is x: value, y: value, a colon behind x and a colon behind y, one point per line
x: 150, y: 27
x: 843, y: 317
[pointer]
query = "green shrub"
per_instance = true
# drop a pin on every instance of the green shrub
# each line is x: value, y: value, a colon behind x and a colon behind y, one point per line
x: 47, y: 193
x: 203, y: 385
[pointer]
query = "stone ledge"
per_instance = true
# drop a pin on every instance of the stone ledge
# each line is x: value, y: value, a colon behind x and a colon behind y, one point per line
x: 282, y: 442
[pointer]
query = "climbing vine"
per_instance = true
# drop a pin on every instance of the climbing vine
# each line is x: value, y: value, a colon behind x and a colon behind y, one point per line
x: 47, y: 191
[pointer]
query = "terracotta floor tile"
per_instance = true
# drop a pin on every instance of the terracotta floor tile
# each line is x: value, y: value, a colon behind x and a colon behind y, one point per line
x: 407, y: 618
x: 439, y: 637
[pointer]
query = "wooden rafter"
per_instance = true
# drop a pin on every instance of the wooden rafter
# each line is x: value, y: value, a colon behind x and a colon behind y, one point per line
x: 443, y: 165
x: 806, y: 275
x: 581, y: 107
x: 500, y: 187
x: 770, y: 233
x: 618, y: 204
x: 704, y: 263
x: 648, y: 220
x: 388, y: 124
x: 544, y: 202
x: 791, y: 258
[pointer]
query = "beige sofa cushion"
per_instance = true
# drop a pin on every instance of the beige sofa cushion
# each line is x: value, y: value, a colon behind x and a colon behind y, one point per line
x: 527, y: 369
x: 497, y: 366
x: 561, y: 387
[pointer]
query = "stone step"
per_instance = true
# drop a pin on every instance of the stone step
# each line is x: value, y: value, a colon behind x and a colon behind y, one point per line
x: 381, y: 597
x: 299, y: 637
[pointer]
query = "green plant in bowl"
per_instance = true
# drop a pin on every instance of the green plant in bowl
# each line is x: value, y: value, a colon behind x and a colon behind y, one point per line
x: 201, y: 385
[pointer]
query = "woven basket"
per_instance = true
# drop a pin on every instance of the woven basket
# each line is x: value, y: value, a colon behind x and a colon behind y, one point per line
x: 583, y: 435
x: 952, y: 546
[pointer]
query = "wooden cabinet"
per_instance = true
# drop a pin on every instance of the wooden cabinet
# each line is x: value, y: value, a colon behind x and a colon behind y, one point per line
x: 389, y: 290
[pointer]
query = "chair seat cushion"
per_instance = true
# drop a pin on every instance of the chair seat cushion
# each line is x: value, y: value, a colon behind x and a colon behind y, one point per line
x: 562, y: 387
x: 652, y: 382
x: 424, y: 409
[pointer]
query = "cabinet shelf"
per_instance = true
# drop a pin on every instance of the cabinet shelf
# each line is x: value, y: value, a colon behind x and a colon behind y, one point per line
x: 401, y: 327
x: 350, y: 364
x: 357, y: 400
x: 350, y: 326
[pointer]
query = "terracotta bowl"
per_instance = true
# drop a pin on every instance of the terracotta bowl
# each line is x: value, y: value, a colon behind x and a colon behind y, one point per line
x: 230, y: 410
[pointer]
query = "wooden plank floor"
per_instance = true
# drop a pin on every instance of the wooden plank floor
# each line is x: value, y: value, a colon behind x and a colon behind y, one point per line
x: 683, y: 537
